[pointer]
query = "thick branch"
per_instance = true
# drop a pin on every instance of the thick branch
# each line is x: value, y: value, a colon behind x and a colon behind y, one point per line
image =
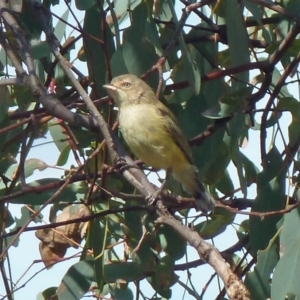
x: 234, y: 287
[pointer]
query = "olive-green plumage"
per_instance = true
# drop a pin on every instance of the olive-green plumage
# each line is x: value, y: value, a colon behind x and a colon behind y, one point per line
x: 152, y: 133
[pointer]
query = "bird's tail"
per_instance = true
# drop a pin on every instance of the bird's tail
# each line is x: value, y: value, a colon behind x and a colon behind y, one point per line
x: 189, y: 179
x: 204, y: 200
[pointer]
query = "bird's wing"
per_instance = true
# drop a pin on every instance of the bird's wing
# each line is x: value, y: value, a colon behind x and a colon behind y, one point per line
x: 172, y: 126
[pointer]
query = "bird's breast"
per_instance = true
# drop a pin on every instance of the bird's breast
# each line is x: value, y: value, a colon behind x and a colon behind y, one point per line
x: 147, y: 135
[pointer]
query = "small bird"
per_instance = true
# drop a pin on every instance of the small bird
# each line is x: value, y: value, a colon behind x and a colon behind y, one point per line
x: 152, y: 133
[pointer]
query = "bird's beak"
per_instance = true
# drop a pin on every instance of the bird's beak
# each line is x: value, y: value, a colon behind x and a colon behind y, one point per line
x: 110, y: 87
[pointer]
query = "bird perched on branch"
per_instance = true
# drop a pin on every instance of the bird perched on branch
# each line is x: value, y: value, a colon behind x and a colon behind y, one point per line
x: 152, y: 133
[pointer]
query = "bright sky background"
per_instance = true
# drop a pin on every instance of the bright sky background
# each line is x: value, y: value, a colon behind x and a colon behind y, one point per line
x: 27, y: 251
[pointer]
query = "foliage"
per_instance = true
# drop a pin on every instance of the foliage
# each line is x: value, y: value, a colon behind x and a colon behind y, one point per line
x: 226, y: 69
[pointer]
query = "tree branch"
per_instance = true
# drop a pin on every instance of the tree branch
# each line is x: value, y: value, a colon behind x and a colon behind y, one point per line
x: 234, y: 287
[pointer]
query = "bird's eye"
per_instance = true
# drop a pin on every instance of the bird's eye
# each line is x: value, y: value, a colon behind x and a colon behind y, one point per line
x: 126, y: 84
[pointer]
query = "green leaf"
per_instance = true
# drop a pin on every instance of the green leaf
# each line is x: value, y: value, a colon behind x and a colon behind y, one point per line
x: 171, y: 242
x: 59, y: 138
x: 216, y: 171
x: 291, y: 296
x: 96, y: 57
x: 84, y: 137
x: 49, y: 293
x: 292, y: 51
x: 229, y: 103
x: 164, y: 276
x: 60, y: 28
x: 121, y: 293
x: 64, y: 155
x: 122, y: 6
x: 258, y: 15
x: 192, y: 123
x: 162, y: 10
x: 153, y: 36
x: 9, y: 145
x: 40, y: 49
x: 139, y: 53
x: 225, y: 184
x: 4, y: 102
x: 26, y: 214
x: 251, y: 171
x: 133, y: 222
x: 145, y: 253
x: 33, y: 164
x: 273, y: 119
x: 118, y: 66
x: 9, y: 220
x: 238, y: 40
x: 293, y: 106
x: 29, y: 21
x: 292, y: 6
x: 213, y: 90
x: 84, y: 4
x: 258, y: 281
x: 4, y: 60
x: 178, y: 75
x: 68, y: 194
x: 54, y: 2
x: 24, y: 97
x: 270, y: 197
x: 191, y: 69
x: 218, y: 112
x: 220, y: 219
x: 128, y: 271
x: 284, y: 92
x: 237, y: 131
x: 76, y: 281
x: 286, y: 274
x: 19, y: 222
x: 121, y: 13
x: 98, y: 241
x: 206, y: 57
x: 236, y: 99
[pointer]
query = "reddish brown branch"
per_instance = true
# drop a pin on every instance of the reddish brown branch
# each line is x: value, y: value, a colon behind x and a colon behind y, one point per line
x: 288, y: 70
x: 75, y: 220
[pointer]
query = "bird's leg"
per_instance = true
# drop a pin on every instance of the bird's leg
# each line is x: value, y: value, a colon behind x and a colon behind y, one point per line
x: 121, y: 164
x: 152, y: 199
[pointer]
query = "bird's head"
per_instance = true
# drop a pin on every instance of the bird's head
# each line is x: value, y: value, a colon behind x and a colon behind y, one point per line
x: 129, y: 89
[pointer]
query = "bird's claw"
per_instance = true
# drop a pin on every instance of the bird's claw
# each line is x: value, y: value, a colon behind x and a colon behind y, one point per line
x: 152, y: 199
x: 121, y: 164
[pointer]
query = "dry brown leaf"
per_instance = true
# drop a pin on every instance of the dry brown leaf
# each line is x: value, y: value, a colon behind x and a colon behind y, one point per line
x: 55, y: 242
